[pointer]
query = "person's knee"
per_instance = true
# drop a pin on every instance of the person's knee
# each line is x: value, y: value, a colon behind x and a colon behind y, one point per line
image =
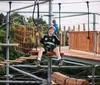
x: 42, y: 49
x: 55, y: 50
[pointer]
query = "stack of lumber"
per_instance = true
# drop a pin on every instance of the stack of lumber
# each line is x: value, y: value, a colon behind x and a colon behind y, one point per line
x: 62, y: 79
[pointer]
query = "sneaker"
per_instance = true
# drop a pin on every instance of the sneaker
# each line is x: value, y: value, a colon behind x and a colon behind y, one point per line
x: 60, y: 62
x: 37, y: 62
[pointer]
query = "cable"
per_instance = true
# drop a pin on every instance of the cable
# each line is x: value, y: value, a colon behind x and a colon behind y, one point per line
x: 88, y: 20
x: 60, y: 25
x: 9, y: 18
x: 38, y: 11
x: 34, y: 12
x: 36, y: 24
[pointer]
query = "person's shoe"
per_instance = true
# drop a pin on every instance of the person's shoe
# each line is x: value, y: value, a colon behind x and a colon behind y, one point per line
x: 60, y: 62
x: 37, y: 62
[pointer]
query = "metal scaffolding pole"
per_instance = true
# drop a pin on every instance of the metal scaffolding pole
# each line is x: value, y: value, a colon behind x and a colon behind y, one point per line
x: 7, y: 41
x: 28, y: 6
x: 95, y: 34
x: 81, y: 14
x: 95, y: 50
x: 93, y: 74
x: 49, y: 58
x: 71, y: 62
x: 28, y: 74
x: 7, y: 48
x: 11, y: 81
x: 56, y: 12
x: 94, y: 21
x: 53, y: 66
x: 50, y: 12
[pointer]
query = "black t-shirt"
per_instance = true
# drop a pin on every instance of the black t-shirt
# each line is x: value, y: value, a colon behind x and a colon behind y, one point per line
x: 50, y: 42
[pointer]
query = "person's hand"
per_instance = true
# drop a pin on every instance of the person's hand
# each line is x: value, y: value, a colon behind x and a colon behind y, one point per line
x: 37, y: 34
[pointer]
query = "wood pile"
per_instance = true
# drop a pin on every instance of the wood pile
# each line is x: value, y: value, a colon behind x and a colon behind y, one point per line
x: 62, y: 79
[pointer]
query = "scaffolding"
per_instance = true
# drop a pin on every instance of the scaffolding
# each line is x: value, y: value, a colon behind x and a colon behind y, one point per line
x: 41, y: 80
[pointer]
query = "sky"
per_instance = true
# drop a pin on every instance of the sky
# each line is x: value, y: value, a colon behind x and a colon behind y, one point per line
x: 66, y: 6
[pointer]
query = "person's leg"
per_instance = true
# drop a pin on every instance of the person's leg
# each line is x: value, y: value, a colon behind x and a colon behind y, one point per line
x: 40, y: 53
x: 60, y: 61
x: 56, y: 50
x: 41, y: 50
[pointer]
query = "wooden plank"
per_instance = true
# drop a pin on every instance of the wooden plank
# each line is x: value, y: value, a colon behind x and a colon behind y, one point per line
x: 10, y: 44
x: 80, y: 54
x: 53, y: 83
x: 11, y: 61
x: 79, y: 41
x: 21, y: 59
x: 32, y: 57
x: 1, y: 64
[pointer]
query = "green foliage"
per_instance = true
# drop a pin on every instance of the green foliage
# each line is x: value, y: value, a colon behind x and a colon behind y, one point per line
x: 1, y: 15
x: 2, y: 36
x: 16, y: 18
x: 40, y: 23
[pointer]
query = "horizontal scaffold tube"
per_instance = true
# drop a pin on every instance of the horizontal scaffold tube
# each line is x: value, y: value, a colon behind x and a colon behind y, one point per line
x: 28, y: 74
x: 11, y: 81
x: 53, y: 66
x: 28, y: 6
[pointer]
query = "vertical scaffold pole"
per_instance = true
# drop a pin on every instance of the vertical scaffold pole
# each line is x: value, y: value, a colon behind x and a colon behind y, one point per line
x: 95, y: 50
x: 93, y: 74
x: 49, y: 58
x: 95, y: 37
x: 7, y: 48
x: 50, y: 12
x: 49, y: 69
x: 7, y: 41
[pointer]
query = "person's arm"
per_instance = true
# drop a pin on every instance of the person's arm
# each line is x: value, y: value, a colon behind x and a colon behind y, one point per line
x: 42, y: 40
x: 57, y: 41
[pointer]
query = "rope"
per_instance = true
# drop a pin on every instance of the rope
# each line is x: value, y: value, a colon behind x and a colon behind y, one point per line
x: 88, y: 20
x: 9, y: 18
x: 34, y: 12
x: 59, y: 25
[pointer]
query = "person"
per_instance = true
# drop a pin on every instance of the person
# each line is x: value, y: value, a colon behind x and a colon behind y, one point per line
x: 56, y: 27
x: 50, y: 42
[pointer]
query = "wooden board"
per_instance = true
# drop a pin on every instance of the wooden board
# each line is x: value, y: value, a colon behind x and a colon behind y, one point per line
x: 80, y: 54
x: 78, y: 40
x: 10, y: 44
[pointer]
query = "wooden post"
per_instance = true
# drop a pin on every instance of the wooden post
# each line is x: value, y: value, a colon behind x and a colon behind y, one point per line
x: 69, y: 29
x: 73, y: 28
x: 78, y: 27
x: 25, y: 29
x: 84, y: 27
x: 60, y: 36
x: 64, y: 40
x: 98, y: 42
